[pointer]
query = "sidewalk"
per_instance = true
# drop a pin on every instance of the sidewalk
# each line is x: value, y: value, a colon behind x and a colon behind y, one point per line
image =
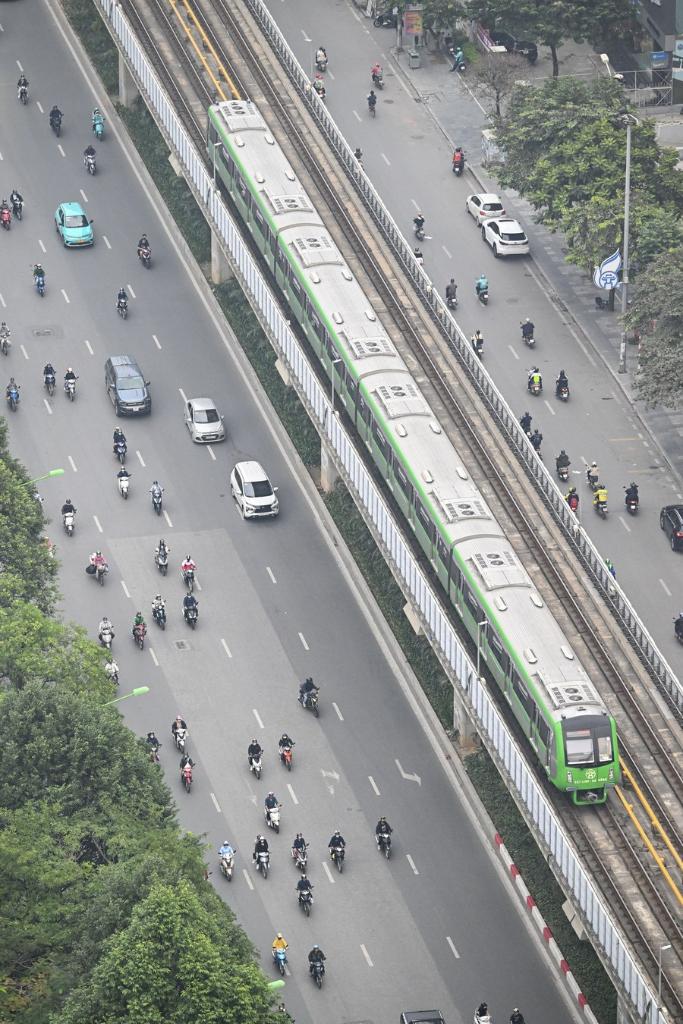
x: 461, y: 116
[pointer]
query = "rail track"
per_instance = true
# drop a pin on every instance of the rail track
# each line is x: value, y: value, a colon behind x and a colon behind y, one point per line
x: 617, y: 854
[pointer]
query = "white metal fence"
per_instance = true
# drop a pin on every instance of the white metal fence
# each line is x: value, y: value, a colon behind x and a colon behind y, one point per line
x: 605, y: 931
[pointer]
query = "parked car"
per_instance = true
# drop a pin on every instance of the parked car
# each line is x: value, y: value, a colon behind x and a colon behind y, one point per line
x: 483, y: 205
x: 505, y: 236
x: 126, y: 386
x: 671, y: 521
x: 253, y: 492
x: 204, y: 421
x: 521, y: 46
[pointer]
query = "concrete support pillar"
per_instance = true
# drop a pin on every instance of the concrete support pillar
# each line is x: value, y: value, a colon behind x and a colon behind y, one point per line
x: 128, y: 90
x: 412, y: 618
x: 465, y: 735
x: 175, y: 164
x: 220, y: 268
x: 284, y: 373
x: 328, y: 470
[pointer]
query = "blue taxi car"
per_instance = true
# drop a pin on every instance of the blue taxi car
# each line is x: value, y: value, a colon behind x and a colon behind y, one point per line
x: 73, y: 226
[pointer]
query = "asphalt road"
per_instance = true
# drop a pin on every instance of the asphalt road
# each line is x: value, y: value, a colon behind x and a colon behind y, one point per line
x: 408, y: 160
x: 434, y: 926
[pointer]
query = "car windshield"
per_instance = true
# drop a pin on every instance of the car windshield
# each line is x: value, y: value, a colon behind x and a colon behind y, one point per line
x: 513, y: 236
x: 132, y: 384
x: 206, y: 416
x: 589, y: 744
x: 491, y: 207
x: 76, y: 220
x: 257, y: 488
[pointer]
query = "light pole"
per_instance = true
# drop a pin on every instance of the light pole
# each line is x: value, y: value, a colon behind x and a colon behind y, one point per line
x: 45, y: 476
x: 213, y: 151
x: 137, y: 692
x: 628, y: 120
x: 662, y: 949
x: 480, y: 626
x: 334, y: 363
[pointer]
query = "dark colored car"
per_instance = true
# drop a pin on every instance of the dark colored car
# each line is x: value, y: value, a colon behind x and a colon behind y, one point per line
x: 671, y: 521
x: 521, y: 46
x: 126, y: 386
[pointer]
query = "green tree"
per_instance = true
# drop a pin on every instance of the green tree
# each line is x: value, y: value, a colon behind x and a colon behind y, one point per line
x: 657, y: 315
x: 441, y: 15
x: 174, y: 964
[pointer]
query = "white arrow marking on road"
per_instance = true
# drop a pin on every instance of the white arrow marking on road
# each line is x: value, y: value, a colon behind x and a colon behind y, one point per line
x: 292, y: 793
x: 215, y: 803
x: 454, y: 951
x: 328, y: 872
x: 366, y: 955
x: 247, y: 879
x: 330, y: 775
x: 407, y: 775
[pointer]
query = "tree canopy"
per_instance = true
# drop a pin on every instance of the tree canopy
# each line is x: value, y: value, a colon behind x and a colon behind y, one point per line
x: 657, y: 315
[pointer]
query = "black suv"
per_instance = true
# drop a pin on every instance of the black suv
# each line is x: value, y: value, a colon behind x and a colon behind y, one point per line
x: 512, y: 45
x: 126, y: 386
x: 671, y: 521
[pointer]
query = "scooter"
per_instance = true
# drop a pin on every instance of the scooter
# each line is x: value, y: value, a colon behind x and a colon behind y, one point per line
x: 631, y: 505
x: 601, y: 508
x: 562, y: 393
x: 263, y: 862
x: 478, y: 346
x: 386, y: 20
x: 310, y: 702
x: 22, y: 95
x: 384, y: 844
x: 186, y: 777
x: 139, y: 633
x: 256, y: 766
x: 419, y: 232
x: 280, y: 959
x: 528, y: 337
x: 159, y: 616
x: 68, y: 520
x: 180, y: 735
x: 535, y: 387
x: 157, y: 500
x: 6, y: 217
x: 90, y: 164
x: 13, y: 397
x: 161, y: 561
x: 70, y: 389
x: 18, y: 208
x: 124, y: 484
x: 120, y: 449
x: 563, y: 473
x: 272, y: 816
x: 98, y: 128
x: 106, y: 637
x: 145, y: 257
x: 5, y: 343
x: 191, y: 616
x: 56, y: 125
x: 227, y: 864
x: 49, y: 382
x: 378, y: 79
x: 482, y: 295
x: 122, y: 308
x: 286, y: 757
x: 306, y: 901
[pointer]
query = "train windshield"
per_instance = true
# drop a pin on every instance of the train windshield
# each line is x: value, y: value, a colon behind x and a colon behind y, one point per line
x: 588, y: 743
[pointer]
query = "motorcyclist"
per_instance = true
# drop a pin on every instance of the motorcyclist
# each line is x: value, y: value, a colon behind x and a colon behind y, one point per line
x: 516, y: 1017
x: 68, y: 508
x: 187, y: 566
x: 121, y: 298
x: 144, y: 248
x: 189, y: 601
x: 105, y: 626
x: 419, y: 223
x: 89, y: 150
x: 458, y: 58
x: 337, y: 841
x: 458, y: 157
x: 599, y: 496
x: 16, y: 199
x: 572, y: 499
x: 536, y: 439
x: 38, y: 271
x: 186, y: 760
x: 279, y: 945
x: 254, y: 750
x: 482, y: 1011
x: 525, y: 422
x: 97, y: 117
x: 631, y: 493
x: 592, y: 475
x: 156, y: 489
x: 285, y: 743
x: 477, y: 341
x: 527, y: 329
x: 561, y: 382
x: 376, y: 73
x: 418, y: 254
x: 119, y: 436
x: 226, y: 851
x: 316, y: 956
x: 260, y: 846
x: 321, y: 55
x: 372, y: 100
x: 319, y: 86
x: 4, y: 330
x: 358, y: 153
x: 678, y: 626
x: 299, y: 845
x: 152, y: 741
x: 123, y: 474
x: 562, y: 460
x: 48, y: 372
x: 69, y: 376
x: 306, y: 690
x: 162, y: 549
x: 22, y: 84
x: 139, y: 622
x: 535, y: 379
x: 451, y: 291
x: 304, y: 885
x: 158, y: 606
x: 55, y: 115
x: 178, y: 723
x: 11, y: 386
x: 481, y: 285
x: 270, y: 804
x: 383, y: 828
x: 112, y: 670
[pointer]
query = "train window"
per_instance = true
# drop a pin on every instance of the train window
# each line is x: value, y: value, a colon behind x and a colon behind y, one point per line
x: 281, y: 258
x: 317, y: 326
x: 364, y: 409
x: 242, y: 188
x: 351, y: 386
x: 522, y: 694
x: 381, y: 440
x: 498, y: 651
x: 425, y: 521
x: 270, y: 238
x: 212, y: 133
x: 544, y: 731
x: 403, y: 481
x: 579, y: 744
x: 229, y: 163
x: 258, y: 217
x: 296, y: 287
x: 472, y: 603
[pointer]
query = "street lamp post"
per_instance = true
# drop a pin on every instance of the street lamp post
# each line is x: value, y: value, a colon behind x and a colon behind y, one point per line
x: 628, y: 120
x: 45, y: 476
x: 137, y: 692
x: 334, y: 363
x: 662, y: 949
x: 213, y: 151
x: 480, y: 626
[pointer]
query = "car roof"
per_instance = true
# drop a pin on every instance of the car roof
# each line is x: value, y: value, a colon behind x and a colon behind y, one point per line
x: 505, y: 220
x: 251, y: 471
x: 674, y: 508
x: 488, y: 197
x: 202, y: 403
x: 72, y: 208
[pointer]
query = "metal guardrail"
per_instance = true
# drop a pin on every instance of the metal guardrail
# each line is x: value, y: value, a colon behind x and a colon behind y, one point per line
x: 605, y: 931
x: 593, y: 561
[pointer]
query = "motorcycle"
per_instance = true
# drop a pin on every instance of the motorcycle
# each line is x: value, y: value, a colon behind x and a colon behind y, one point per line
x: 535, y: 387
x: 256, y: 766
x: 528, y: 337
x: 286, y: 757
x: 272, y: 816
x: 386, y: 20
x: 22, y: 94
x: 227, y: 864
x: 452, y: 301
x: 186, y: 777
x: 49, y: 382
x: 120, y: 450
x: 6, y: 217
x: 70, y: 389
x: 263, y: 862
x: 563, y: 473
x: 378, y: 79
x: 562, y: 393
x: 68, y: 520
x: 13, y: 397
x: 56, y: 125
x: 678, y: 632
x: 5, y: 343
x: 478, y: 346
x: 89, y: 161
x: 139, y: 633
x: 484, y: 1019
x: 337, y: 854
x: 631, y: 503
x: 159, y: 616
x: 483, y: 296
x: 280, y: 959
x: 161, y: 561
x: 39, y: 280
x: 188, y: 579
x: 112, y: 670
x: 122, y: 308
x: 306, y: 901
x: 310, y: 702
x: 98, y: 128
x: 320, y: 63
x: 145, y: 256
x: 300, y: 858
x: 18, y: 208
x: 100, y: 572
x: 191, y: 616
x: 317, y: 970
x: 601, y: 508
x: 384, y: 844
x: 459, y: 60
x: 419, y: 232
x: 106, y: 637
x: 124, y: 484
x: 156, y: 500
x: 180, y: 738
x: 458, y: 167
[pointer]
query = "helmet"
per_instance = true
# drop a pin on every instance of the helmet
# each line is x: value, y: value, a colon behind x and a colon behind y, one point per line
x: 226, y: 842
x: 303, y: 875
x: 528, y: 320
x: 68, y: 501
x: 254, y: 740
x: 594, y: 465
x: 69, y: 369
x: 96, y: 110
x: 138, y: 613
x: 259, y: 837
x: 279, y: 935
x: 271, y: 793
x: 178, y: 718
x: 316, y: 946
x: 99, y: 553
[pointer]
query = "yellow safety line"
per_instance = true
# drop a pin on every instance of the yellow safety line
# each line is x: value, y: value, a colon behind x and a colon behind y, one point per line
x: 654, y: 820
x: 655, y: 855
x: 209, y: 46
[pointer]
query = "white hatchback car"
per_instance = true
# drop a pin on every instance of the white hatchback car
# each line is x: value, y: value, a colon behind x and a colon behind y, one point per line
x: 204, y: 421
x: 483, y: 205
x: 253, y: 492
x: 505, y: 236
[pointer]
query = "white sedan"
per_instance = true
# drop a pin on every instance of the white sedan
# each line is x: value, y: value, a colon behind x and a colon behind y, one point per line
x: 505, y: 236
x: 204, y: 421
x: 483, y: 205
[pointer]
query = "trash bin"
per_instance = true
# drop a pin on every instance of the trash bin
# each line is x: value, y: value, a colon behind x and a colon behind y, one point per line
x: 413, y: 59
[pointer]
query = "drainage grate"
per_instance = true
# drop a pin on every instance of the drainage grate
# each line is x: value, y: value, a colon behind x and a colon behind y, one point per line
x: 41, y: 332
x: 182, y: 645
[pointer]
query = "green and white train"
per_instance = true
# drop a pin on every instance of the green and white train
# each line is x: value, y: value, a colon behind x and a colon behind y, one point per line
x: 550, y: 693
